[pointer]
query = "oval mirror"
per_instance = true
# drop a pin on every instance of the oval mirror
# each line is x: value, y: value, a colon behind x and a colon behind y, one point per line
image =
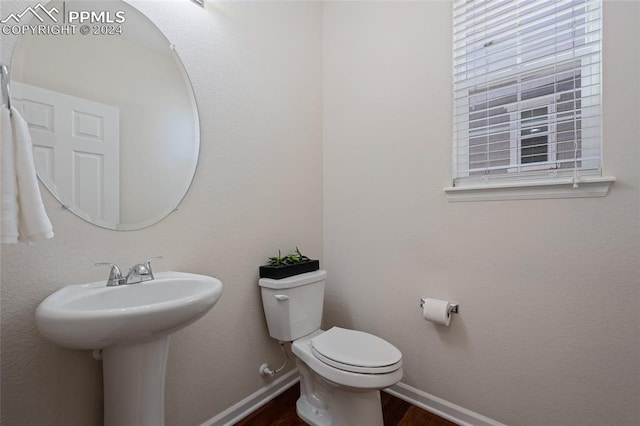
x: 112, y: 113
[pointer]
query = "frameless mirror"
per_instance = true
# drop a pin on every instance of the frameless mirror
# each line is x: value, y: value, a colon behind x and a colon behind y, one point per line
x: 111, y: 111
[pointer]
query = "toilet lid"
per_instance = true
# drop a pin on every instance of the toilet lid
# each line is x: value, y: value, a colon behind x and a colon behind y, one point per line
x: 356, y: 351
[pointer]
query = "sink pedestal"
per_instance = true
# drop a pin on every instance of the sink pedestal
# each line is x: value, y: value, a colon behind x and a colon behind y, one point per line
x: 134, y: 377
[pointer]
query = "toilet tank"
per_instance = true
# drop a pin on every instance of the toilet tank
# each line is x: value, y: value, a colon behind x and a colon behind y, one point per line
x: 293, y: 305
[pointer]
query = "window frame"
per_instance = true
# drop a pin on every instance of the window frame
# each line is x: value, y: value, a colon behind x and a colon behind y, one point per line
x: 535, y: 180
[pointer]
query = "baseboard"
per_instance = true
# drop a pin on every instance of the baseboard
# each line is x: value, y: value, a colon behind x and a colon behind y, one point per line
x: 254, y: 401
x: 439, y: 406
x: 432, y: 403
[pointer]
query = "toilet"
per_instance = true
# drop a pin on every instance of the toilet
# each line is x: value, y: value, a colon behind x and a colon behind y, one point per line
x: 341, y: 370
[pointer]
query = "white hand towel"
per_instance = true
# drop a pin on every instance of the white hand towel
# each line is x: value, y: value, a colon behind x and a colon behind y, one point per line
x: 8, y: 181
x: 33, y: 222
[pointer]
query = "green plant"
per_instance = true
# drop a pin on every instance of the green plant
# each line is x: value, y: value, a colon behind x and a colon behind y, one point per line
x: 289, y: 259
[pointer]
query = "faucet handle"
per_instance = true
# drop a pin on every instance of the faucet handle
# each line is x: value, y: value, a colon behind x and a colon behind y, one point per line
x: 115, y: 276
x: 148, y: 264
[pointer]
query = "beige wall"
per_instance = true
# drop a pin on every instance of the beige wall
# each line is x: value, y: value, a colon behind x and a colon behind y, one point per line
x: 256, y: 71
x: 548, y: 289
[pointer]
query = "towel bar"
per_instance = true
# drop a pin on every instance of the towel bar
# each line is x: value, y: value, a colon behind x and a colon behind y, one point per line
x: 6, y: 93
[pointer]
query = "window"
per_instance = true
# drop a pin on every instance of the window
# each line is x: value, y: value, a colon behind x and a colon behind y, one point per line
x: 526, y: 77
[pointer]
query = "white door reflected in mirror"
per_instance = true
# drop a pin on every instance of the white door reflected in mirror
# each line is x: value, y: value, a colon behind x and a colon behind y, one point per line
x: 76, y: 148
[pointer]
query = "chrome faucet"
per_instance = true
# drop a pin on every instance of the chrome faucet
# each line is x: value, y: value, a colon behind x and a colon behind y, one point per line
x: 115, y: 276
x: 138, y: 273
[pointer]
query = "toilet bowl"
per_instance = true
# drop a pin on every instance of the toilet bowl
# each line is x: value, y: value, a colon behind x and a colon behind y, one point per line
x: 340, y: 381
x: 341, y: 370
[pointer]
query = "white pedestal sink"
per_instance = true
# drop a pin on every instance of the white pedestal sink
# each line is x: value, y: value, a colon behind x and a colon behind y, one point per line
x: 131, y: 324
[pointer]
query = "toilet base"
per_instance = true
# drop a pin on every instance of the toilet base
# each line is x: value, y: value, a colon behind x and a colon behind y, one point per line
x: 323, y: 403
x: 310, y: 414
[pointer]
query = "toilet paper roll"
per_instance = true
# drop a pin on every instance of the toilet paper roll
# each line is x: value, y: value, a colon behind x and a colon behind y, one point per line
x: 437, y: 311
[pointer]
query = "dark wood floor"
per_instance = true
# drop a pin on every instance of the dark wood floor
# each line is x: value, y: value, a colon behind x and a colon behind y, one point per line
x: 396, y: 412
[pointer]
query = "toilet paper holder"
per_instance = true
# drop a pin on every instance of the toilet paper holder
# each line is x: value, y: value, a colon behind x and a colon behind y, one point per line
x: 453, y: 309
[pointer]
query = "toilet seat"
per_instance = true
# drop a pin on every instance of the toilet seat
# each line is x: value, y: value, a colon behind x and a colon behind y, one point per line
x: 356, y: 351
x: 301, y: 348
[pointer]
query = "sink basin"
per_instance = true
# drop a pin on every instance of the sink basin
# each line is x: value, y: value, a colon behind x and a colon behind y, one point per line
x: 130, y: 324
x: 94, y: 316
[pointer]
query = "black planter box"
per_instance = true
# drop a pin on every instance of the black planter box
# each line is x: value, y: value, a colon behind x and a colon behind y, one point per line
x: 284, y: 271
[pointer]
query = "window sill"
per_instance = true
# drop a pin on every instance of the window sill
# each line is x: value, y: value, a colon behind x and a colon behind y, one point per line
x: 587, y: 186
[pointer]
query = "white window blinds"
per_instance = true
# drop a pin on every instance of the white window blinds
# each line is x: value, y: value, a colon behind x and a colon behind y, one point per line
x: 526, y: 77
